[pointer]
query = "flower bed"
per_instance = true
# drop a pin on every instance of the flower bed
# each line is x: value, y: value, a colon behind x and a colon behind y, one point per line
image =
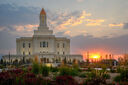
x: 42, y: 75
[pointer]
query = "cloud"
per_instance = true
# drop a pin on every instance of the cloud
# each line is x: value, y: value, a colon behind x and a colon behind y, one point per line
x: 94, y: 22
x: 67, y: 32
x: 20, y: 30
x: 21, y: 21
x: 116, y: 25
x: 8, y: 35
x: 89, y: 43
x: 28, y: 27
x: 14, y: 15
x: 73, y: 20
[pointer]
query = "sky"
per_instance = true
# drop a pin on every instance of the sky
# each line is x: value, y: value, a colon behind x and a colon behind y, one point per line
x: 92, y: 25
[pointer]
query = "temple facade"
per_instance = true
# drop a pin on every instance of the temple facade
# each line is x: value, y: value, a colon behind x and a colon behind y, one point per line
x: 43, y: 44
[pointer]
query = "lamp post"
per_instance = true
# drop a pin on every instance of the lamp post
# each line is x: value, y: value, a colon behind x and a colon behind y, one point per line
x: 9, y: 58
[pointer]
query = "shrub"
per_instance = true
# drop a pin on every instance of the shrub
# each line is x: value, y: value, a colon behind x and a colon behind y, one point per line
x: 117, y: 78
x: 6, y: 78
x: 64, y: 71
x: 122, y: 77
x: 97, y: 77
x: 54, y: 69
x: 106, y: 76
x: 30, y: 81
x: 35, y: 68
x: 45, y: 70
x: 20, y: 77
x: 95, y: 81
x: 119, y: 70
x: 74, y: 72
x: 29, y: 75
x: 55, y: 75
x: 68, y: 71
x: 65, y: 80
x: 83, y: 75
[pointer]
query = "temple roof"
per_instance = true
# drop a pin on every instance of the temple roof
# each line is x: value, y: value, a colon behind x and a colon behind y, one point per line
x: 42, y: 12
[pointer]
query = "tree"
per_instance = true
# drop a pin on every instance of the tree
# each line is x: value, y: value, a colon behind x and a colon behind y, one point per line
x: 1, y: 61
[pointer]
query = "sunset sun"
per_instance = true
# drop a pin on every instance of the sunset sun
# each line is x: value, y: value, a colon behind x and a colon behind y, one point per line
x: 95, y: 56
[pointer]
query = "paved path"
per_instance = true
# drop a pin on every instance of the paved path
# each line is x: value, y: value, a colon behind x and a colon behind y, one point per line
x: 113, y: 75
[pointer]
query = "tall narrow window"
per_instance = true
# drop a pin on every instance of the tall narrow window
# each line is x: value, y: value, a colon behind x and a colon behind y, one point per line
x: 58, y: 45
x: 47, y: 44
x: 23, y: 53
x: 63, y: 45
x: 23, y: 45
x: 40, y: 44
x: 57, y: 52
x: 29, y: 53
x: 63, y: 53
x: 29, y: 45
x: 44, y: 44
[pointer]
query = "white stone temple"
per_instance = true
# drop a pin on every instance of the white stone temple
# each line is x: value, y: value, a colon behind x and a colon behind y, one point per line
x: 44, y: 45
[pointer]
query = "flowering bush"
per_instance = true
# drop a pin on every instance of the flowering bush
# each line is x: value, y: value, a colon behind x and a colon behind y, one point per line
x: 65, y: 80
x: 97, y: 77
x: 29, y: 75
x: 19, y: 77
x: 6, y: 78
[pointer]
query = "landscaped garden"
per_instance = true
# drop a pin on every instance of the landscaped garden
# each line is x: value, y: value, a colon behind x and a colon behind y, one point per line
x: 40, y: 74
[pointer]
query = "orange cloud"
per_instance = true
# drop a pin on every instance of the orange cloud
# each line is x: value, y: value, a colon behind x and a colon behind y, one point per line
x: 19, y: 28
x: 81, y: 19
x: 116, y: 25
x: 94, y: 22
x: 67, y: 32
x: 73, y: 21
x: 23, y: 30
x: 28, y: 27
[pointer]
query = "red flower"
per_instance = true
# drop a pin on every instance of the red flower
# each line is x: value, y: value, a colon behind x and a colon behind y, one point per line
x: 65, y: 80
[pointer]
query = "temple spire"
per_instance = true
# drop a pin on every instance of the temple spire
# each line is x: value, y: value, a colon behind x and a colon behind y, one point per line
x: 43, y: 18
x: 43, y: 29
x: 42, y: 12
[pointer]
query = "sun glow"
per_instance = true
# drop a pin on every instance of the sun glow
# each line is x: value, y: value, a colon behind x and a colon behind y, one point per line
x: 95, y: 56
